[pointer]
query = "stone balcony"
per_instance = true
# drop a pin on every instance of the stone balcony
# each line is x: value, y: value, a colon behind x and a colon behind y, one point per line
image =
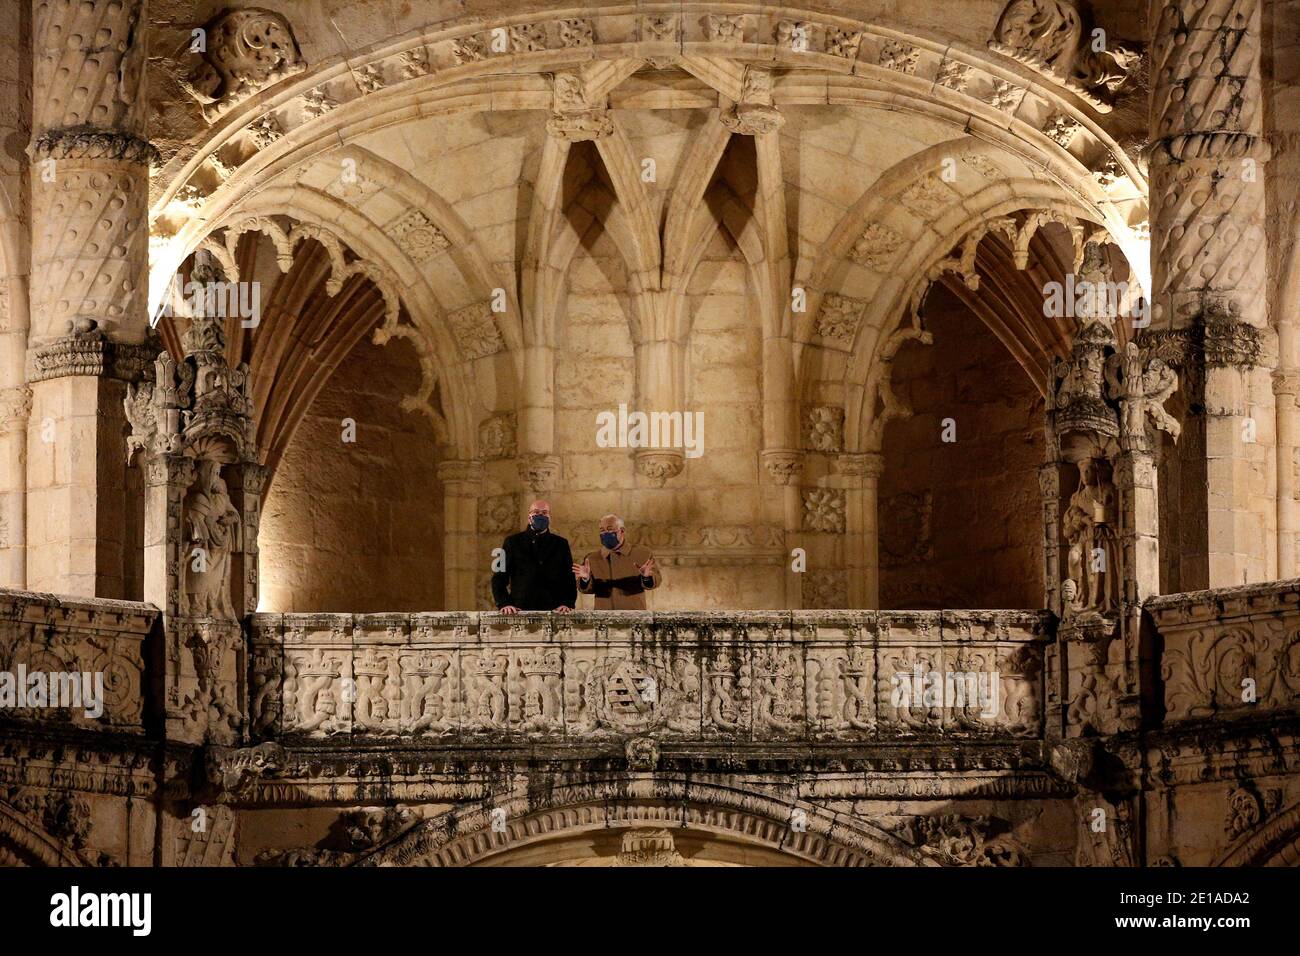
x: 466, y: 679
x: 1230, y: 652
x: 45, y: 635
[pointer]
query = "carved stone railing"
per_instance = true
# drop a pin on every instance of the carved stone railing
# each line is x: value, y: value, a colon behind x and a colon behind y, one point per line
x: 470, y: 679
x: 54, y: 646
x: 1230, y: 652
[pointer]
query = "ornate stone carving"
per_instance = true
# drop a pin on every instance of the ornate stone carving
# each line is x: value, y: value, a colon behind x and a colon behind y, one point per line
x: 265, y: 131
x: 927, y: 197
x: 496, y: 436
x: 245, y: 51
x: 316, y: 102
x: 235, y: 770
x: 1006, y: 96
x: 527, y: 37
x: 419, y: 237
x: 843, y: 43
x: 90, y: 353
x: 662, y: 28
x: 574, y: 117
x: 823, y: 510
x: 414, y: 63
x: 467, y: 49
x: 476, y: 330
x: 958, y: 840
x: 658, y: 465
x: 538, y: 472
x: 823, y: 428
x: 1090, y: 526
x: 212, y: 534
x: 838, y: 320
x: 954, y: 75
x: 88, y: 63
x: 1062, y: 129
x: 1050, y: 36
x: 783, y: 465
x: 876, y: 247
x: 370, y: 78
x: 725, y: 28
x: 576, y: 33
x: 498, y: 514
x: 900, y: 56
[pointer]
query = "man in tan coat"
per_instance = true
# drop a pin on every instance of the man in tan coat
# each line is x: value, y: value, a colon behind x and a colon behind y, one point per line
x: 617, y: 574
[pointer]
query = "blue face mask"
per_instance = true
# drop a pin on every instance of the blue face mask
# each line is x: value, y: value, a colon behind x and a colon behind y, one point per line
x: 539, y: 522
x: 609, y: 539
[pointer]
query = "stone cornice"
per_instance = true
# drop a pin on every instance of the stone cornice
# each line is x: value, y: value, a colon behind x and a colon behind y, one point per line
x: 90, y: 353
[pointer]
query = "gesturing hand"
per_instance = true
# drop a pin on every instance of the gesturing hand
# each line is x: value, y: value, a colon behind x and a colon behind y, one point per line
x: 582, y: 571
x: 648, y: 569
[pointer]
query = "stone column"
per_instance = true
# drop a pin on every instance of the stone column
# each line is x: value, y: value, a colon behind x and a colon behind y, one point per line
x: 784, y: 467
x: 463, y: 566
x: 90, y: 185
x: 1285, y: 386
x: 860, y: 478
x: 1209, y: 256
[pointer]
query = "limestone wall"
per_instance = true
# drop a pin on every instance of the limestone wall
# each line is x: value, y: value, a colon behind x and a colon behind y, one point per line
x: 356, y: 524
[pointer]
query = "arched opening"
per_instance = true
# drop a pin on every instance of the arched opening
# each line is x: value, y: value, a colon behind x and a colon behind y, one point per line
x: 960, y: 522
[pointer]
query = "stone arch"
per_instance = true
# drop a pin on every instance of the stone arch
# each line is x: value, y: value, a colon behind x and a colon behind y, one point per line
x: 1275, y: 842
x: 338, y: 226
x: 465, y: 836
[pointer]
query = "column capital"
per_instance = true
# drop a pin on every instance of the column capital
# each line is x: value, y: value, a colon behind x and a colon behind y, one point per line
x: 90, y: 352
x: 783, y: 465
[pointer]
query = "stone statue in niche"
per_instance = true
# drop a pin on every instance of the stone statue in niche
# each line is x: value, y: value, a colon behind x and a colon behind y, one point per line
x: 212, y: 527
x: 1090, y: 526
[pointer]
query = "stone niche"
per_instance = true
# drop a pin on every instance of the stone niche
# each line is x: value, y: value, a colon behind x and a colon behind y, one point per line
x: 959, y: 520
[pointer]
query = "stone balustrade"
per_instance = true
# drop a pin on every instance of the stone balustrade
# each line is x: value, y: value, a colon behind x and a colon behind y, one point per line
x: 1230, y: 652
x: 64, y: 659
x: 465, y: 678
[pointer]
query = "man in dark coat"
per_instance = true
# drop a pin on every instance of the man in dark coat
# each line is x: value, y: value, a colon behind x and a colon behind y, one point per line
x: 538, y: 573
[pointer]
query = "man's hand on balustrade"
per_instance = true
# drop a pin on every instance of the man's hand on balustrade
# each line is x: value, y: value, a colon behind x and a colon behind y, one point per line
x: 563, y: 609
x: 509, y: 609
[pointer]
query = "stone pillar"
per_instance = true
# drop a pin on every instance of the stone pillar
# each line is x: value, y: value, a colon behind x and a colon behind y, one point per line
x: 1209, y: 257
x: 90, y: 185
x: 463, y: 566
x: 15, y: 410
x: 1285, y: 386
x: 15, y: 396
x: 784, y: 467
x: 860, y: 478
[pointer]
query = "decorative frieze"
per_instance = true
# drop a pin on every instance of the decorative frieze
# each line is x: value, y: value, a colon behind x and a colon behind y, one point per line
x: 459, y: 677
